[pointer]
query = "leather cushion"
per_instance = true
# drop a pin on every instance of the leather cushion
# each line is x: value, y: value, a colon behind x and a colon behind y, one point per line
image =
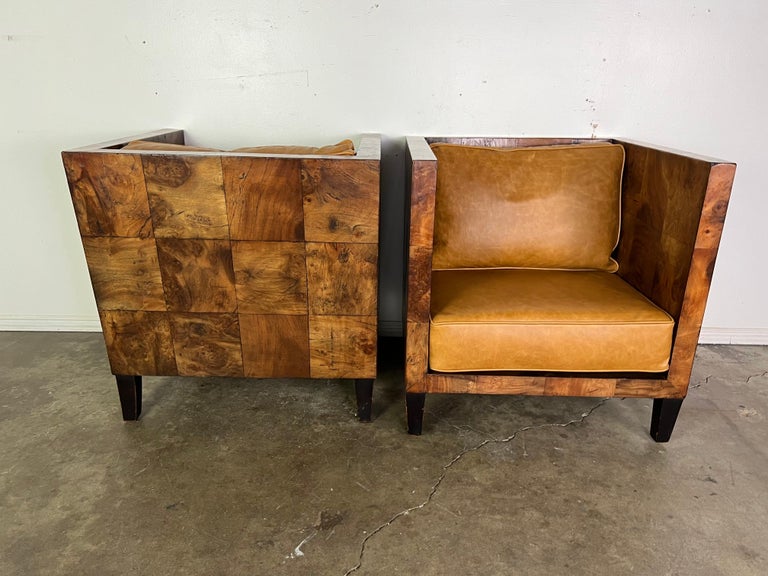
x: 553, y: 207
x: 343, y: 148
x: 544, y: 320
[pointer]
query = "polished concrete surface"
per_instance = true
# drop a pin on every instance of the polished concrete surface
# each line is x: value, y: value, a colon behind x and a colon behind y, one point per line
x: 252, y: 477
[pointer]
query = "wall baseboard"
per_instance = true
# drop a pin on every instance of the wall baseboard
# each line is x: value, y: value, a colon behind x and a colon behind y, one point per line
x: 41, y: 323
x: 388, y: 328
x: 744, y: 336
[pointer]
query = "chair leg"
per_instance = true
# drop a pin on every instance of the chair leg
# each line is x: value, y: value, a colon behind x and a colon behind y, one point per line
x: 364, y: 393
x: 414, y: 409
x: 129, y: 389
x: 665, y: 411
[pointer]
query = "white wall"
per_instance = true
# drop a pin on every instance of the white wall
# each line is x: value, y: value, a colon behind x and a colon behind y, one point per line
x: 690, y: 75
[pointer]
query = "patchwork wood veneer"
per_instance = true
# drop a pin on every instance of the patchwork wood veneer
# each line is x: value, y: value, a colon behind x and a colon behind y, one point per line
x: 231, y: 264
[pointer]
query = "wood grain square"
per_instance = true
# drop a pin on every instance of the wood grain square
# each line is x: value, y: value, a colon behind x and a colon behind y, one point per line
x: 271, y: 277
x: 125, y: 273
x: 341, y: 278
x: 264, y: 198
x: 186, y: 196
x: 108, y: 194
x: 585, y: 387
x: 275, y: 346
x: 207, y: 344
x: 197, y: 275
x: 341, y: 200
x: 342, y: 346
x: 419, y: 283
x: 138, y: 342
x: 423, y: 178
x: 416, y: 355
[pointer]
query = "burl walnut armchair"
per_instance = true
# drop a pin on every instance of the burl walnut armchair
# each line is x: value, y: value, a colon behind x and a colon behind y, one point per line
x: 259, y: 262
x: 558, y: 267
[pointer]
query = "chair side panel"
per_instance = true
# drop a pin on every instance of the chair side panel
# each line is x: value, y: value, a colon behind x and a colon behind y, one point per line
x: 421, y: 178
x: 662, y: 199
x: 674, y: 208
x: 204, y: 208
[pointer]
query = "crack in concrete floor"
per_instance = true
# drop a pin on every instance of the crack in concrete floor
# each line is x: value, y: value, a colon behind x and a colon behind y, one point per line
x: 700, y: 384
x: 446, y: 468
x: 746, y: 381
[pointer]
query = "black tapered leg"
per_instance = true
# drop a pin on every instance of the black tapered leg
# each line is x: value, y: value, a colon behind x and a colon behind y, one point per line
x: 364, y: 393
x: 414, y: 408
x: 129, y: 388
x: 665, y: 411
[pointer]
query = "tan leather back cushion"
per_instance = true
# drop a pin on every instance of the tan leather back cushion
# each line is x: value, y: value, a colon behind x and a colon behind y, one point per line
x: 343, y: 148
x: 553, y: 207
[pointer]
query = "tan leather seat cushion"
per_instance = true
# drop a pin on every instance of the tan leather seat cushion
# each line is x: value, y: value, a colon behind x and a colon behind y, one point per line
x: 544, y: 320
x: 343, y: 148
x: 554, y: 207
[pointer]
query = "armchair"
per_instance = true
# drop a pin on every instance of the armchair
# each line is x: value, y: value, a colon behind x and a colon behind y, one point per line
x: 260, y: 262
x: 558, y: 267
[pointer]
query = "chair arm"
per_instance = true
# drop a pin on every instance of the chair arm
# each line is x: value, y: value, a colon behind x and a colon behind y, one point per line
x: 673, y: 210
x: 421, y: 182
x: 369, y: 147
x: 165, y: 135
x: 673, y: 206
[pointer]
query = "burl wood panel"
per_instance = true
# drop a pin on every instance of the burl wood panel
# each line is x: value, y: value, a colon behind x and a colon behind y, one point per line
x: 199, y: 261
x: 207, y: 344
x: 588, y: 386
x: 271, y: 277
x: 264, y: 198
x: 125, y: 273
x: 275, y: 346
x: 419, y: 283
x: 108, y: 194
x: 138, y: 342
x: 341, y: 278
x: 583, y: 386
x: 341, y: 201
x: 421, y: 180
x: 198, y: 275
x: 186, y: 196
x: 416, y: 356
x: 646, y: 388
x: 700, y: 274
x: 342, y: 346
x: 662, y: 197
x: 484, y: 384
x: 673, y: 216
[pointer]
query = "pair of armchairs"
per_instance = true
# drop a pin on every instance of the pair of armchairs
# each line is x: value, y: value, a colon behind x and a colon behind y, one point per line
x: 562, y: 267
x: 558, y: 267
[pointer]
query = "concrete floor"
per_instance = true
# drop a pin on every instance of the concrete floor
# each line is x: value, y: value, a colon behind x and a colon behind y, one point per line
x: 277, y: 477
